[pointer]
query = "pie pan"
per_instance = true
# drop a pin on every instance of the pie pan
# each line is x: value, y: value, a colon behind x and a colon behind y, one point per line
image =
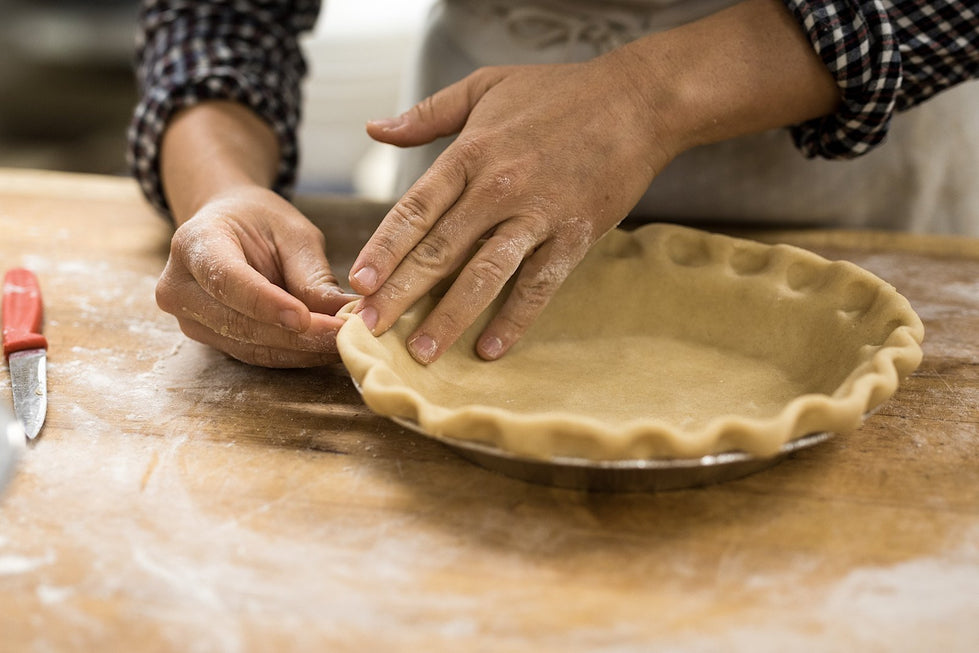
x: 670, y: 357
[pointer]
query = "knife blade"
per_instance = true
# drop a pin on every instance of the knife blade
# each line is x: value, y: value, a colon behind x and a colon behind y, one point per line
x: 25, y: 348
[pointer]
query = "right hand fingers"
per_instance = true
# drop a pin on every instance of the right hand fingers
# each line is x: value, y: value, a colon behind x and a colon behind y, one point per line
x: 306, y: 274
x: 248, y: 276
x: 314, y: 348
x: 243, y: 337
x: 208, y: 265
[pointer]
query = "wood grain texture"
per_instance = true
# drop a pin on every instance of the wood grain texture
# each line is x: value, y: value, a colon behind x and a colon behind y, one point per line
x: 180, y: 501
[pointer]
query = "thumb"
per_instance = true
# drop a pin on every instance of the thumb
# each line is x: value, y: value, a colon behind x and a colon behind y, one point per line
x: 308, y: 277
x: 442, y: 114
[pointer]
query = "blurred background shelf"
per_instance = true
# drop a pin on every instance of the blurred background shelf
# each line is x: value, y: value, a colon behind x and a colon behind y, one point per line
x: 67, y: 89
x: 66, y: 84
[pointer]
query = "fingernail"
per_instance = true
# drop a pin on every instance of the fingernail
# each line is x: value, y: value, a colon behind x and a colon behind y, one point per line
x: 366, y: 277
x: 289, y: 319
x: 422, y: 348
x: 492, y: 347
x: 388, y: 123
x: 369, y: 315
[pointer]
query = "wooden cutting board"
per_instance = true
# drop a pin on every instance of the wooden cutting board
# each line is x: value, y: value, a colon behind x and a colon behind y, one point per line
x: 180, y: 501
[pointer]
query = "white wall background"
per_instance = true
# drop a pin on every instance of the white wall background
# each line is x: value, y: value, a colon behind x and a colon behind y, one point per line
x: 358, y: 56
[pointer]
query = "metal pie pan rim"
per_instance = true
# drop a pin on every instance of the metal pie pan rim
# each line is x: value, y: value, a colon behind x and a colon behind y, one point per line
x: 623, y: 475
x: 631, y: 464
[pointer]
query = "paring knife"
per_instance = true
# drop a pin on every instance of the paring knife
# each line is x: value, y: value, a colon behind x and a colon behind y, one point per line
x: 25, y: 348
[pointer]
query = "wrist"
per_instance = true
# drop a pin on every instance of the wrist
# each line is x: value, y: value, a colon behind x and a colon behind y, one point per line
x: 211, y: 149
x: 742, y: 70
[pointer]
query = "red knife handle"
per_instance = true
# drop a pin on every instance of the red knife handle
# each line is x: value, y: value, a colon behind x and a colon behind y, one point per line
x: 22, y: 312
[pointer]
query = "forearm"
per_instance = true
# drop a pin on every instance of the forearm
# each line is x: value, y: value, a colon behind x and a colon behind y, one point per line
x: 243, y: 51
x: 743, y: 70
x: 211, y: 148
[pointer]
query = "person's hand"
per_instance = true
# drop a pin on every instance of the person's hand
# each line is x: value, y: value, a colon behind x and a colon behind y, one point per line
x: 547, y: 160
x: 247, y: 274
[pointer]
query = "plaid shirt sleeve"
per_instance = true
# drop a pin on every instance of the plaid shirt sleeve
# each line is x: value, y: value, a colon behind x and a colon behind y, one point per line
x: 241, y: 50
x: 886, y: 56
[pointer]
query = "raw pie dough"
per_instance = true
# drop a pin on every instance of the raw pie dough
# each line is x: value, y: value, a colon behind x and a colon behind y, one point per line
x: 665, y: 342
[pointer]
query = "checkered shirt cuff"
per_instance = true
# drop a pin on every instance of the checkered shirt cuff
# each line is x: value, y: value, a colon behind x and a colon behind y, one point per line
x: 856, y: 42
x: 244, y: 51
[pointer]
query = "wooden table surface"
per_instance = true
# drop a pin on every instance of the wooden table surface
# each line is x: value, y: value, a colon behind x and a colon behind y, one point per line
x: 180, y: 501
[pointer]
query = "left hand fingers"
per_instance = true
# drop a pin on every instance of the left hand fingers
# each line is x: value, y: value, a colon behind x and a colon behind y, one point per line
x: 537, y: 282
x: 406, y: 225
x: 436, y: 191
x: 535, y: 164
x: 286, y: 351
x: 482, y: 280
x: 477, y: 285
x: 444, y: 248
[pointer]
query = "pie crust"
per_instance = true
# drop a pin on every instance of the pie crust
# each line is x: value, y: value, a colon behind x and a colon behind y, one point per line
x: 665, y: 342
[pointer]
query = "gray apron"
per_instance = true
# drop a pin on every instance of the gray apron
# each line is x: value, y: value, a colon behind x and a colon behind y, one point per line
x: 923, y: 178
